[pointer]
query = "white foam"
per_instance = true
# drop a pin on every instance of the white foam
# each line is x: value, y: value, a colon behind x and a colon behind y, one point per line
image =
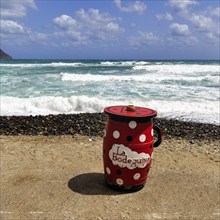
x: 70, y: 64
x: 157, y: 78
x: 97, y: 78
x: 178, y: 68
x: 74, y: 64
x: 45, y: 105
x: 124, y: 63
x: 159, y: 67
x: 205, y: 111
x: 31, y: 65
x: 87, y: 77
x: 117, y: 63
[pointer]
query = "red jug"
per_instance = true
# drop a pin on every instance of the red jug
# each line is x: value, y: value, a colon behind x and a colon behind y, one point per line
x: 128, y: 146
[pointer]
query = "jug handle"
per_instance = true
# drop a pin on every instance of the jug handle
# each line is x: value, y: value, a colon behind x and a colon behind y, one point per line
x: 159, y: 135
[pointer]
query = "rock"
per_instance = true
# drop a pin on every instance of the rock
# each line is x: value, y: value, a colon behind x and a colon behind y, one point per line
x: 93, y: 124
x: 4, y: 56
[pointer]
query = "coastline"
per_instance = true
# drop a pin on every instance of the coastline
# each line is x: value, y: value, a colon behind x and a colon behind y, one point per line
x: 93, y: 124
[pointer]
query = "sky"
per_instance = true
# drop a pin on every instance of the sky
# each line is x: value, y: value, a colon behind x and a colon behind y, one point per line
x: 110, y: 29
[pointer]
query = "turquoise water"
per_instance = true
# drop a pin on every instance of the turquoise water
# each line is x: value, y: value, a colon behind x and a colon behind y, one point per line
x: 187, y: 90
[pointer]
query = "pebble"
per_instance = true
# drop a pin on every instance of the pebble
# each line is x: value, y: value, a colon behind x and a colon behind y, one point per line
x: 93, y: 124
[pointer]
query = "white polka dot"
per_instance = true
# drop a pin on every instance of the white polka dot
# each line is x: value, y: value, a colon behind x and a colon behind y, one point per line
x: 116, y: 134
x: 137, y: 176
x: 152, y: 132
x: 119, y: 181
x: 108, y: 171
x: 142, y: 138
x: 132, y: 124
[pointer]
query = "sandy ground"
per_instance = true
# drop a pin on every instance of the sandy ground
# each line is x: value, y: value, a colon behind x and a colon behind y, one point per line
x: 61, y: 177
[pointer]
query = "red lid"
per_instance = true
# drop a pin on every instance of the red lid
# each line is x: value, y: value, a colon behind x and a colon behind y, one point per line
x: 130, y: 111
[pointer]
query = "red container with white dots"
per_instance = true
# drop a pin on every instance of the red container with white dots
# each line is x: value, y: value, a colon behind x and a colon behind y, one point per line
x: 128, y: 146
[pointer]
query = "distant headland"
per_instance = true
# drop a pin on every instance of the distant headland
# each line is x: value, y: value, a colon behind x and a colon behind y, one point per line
x: 4, y: 56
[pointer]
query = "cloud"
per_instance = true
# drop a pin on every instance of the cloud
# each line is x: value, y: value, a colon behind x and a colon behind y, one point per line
x: 16, y: 8
x: 205, y: 21
x: 207, y: 25
x: 191, y: 41
x: 65, y: 22
x: 181, y: 41
x: 136, y: 6
x: 14, y: 33
x: 179, y: 29
x: 213, y: 38
x: 166, y: 16
x: 148, y: 36
x: 215, y: 11
x: 182, y: 6
x: 143, y: 39
x: 93, y: 19
x: 11, y: 27
x: 36, y: 37
x: 88, y: 26
x: 201, y: 22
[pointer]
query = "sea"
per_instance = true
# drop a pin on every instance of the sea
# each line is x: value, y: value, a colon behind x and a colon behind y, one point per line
x: 176, y: 89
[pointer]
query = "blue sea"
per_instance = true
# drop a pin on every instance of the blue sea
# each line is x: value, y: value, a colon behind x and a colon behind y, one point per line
x: 184, y: 90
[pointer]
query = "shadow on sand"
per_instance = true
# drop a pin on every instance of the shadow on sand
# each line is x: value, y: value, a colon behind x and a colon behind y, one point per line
x: 91, y: 184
